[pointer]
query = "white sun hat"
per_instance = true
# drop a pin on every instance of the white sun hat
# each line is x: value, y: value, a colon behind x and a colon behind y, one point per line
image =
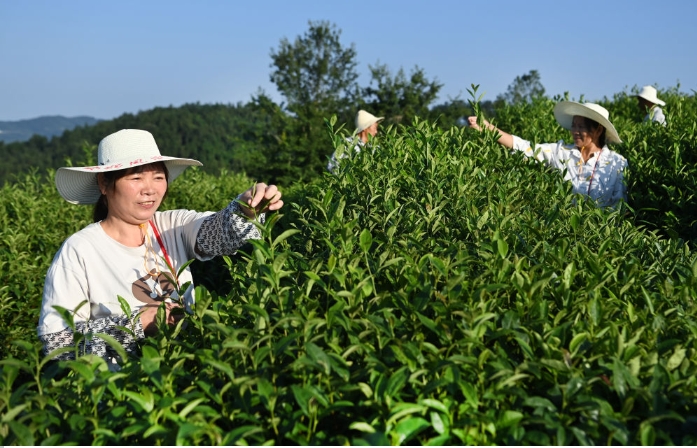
x: 649, y: 94
x: 364, y: 120
x: 124, y: 149
x: 565, y: 111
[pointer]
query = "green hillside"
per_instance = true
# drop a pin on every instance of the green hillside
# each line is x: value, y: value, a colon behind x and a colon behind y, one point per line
x: 218, y: 135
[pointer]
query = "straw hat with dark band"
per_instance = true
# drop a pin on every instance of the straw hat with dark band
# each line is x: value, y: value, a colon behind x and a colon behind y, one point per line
x: 118, y: 151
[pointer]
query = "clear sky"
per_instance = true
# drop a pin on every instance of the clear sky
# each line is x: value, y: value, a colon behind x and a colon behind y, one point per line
x: 106, y: 58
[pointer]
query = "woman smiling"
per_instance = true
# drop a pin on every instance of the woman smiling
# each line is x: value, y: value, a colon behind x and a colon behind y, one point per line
x: 592, y: 168
x: 132, y: 251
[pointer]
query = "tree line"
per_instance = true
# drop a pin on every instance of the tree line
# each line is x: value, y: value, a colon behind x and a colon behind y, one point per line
x: 284, y: 143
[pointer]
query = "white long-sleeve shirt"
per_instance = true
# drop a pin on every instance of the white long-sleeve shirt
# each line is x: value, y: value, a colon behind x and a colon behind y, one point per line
x: 601, y: 177
x: 656, y: 114
x: 91, y: 266
x: 342, y: 153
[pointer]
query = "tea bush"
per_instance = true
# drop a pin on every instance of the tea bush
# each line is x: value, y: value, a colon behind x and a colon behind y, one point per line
x: 34, y: 221
x: 439, y: 290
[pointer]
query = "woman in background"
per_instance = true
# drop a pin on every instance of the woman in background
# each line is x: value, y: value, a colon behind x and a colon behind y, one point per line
x: 592, y: 168
x: 651, y: 104
x: 366, y: 129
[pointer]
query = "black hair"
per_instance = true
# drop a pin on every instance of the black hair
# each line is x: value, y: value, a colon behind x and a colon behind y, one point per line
x: 593, y: 125
x: 101, y: 208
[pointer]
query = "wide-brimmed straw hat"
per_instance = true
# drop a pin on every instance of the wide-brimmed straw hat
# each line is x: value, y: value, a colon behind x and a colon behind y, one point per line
x: 565, y: 111
x: 364, y: 120
x: 649, y: 94
x: 124, y: 149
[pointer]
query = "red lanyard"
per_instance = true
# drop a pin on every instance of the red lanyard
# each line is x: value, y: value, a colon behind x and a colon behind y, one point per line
x: 592, y: 174
x: 170, y: 265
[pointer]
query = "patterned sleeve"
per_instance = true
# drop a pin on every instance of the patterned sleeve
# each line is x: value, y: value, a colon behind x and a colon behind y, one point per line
x: 224, y: 232
x: 96, y: 345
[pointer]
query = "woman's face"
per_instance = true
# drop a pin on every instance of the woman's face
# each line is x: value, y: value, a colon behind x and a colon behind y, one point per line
x: 644, y: 104
x: 136, y: 196
x: 582, y: 134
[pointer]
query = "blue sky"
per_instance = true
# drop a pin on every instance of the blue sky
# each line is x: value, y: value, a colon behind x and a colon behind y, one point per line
x: 106, y: 58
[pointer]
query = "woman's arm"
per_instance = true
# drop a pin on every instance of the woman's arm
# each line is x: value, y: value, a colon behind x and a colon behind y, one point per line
x: 95, y: 345
x: 146, y: 325
x: 223, y: 233
x: 505, y: 138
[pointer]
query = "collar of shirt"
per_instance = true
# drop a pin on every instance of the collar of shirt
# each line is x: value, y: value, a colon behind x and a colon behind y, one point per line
x: 576, y: 153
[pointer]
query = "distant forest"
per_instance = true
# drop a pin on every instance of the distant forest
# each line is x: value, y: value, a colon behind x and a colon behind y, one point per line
x: 48, y: 126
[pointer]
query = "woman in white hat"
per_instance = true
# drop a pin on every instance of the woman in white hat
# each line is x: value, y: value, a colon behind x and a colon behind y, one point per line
x: 593, y: 169
x: 132, y: 250
x: 649, y: 102
x: 366, y: 129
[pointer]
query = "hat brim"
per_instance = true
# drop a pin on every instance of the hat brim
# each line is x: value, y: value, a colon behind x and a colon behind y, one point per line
x: 651, y: 100
x: 565, y: 111
x: 78, y: 185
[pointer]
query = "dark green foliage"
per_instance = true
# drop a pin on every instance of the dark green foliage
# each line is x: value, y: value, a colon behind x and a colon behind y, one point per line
x: 439, y: 290
x: 241, y: 138
x: 259, y: 139
x: 316, y: 73
x: 451, y: 113
x: 524, y: 89
x: 397, y: 98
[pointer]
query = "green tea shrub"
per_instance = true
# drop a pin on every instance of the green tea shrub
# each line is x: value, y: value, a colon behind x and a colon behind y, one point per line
x: 34, y: 221
x: 662, y: 181
x: 438, y: 290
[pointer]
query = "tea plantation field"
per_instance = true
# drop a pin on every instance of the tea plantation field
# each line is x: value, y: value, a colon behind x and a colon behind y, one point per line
x: 440, y: 291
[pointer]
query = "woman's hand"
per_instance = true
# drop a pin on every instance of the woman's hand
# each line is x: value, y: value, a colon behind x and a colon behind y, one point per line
x: 472, y: 121
x: 148, y: 318
x: 505, y: 138
x: 261, y: 198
